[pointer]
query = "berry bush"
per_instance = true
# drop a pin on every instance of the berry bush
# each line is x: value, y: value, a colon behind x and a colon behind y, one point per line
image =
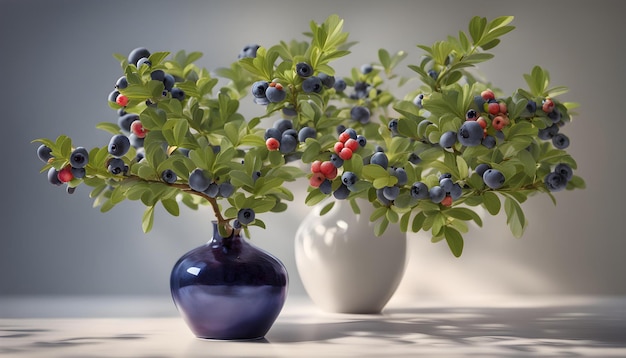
x: 424, y: 160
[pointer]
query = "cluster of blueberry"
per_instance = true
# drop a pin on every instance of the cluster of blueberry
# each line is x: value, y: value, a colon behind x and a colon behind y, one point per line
x: 79, y: 158
x: 284, y: 138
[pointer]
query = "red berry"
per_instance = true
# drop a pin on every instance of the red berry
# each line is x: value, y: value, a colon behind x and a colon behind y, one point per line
x: 65, y: 174
x: 548, y: 105
x: 316, y: 180
x: 279, y: 86
x: 137, y: 128
x: 498, y: 123
x: 345, y: 154
x: 327, y: 167
x: 121, y: 100
x: 343, y: 137
x: 487, y: 95
x: 272, y: 144
x: 503, y: 108
x: 351, y: 144
x: 447, y: 201
x: 338, y: 147
x: 315, y: 166
x: 272, y: 84
x: 482, y: 121
x: 333, y: 174
x: 493, y: 108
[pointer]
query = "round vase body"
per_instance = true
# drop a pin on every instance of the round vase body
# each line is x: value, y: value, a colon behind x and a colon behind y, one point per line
x: 229, y: 289
x: 344, y: 267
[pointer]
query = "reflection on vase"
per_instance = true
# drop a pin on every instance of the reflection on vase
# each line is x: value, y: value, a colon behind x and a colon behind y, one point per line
x: 229, y: 289
x: 344, y: 267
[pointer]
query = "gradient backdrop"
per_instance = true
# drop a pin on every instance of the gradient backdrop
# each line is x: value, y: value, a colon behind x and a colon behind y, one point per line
x: 57, y: 69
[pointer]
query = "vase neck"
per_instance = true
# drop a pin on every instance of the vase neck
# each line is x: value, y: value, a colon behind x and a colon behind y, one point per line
x: 232, y: 242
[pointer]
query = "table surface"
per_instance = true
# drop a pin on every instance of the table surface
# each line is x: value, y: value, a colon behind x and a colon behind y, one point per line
x: 483, y: 327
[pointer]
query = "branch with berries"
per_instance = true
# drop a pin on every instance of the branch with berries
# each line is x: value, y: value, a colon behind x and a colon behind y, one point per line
x: 424, y: 162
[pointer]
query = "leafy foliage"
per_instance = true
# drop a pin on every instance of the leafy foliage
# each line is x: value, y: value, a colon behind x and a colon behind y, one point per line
x: 204, y: 131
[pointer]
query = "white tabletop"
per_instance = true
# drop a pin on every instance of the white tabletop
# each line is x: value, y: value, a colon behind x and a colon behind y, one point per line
x: 482, y: 327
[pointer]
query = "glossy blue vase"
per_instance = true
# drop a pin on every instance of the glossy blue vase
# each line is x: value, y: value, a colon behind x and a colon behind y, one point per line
x: 228, y: 289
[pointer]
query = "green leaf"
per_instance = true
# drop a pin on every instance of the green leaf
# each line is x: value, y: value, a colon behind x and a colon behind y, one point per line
x: 148, y: 219
x: 491, y: 202
x: 454, y: 240
x: 515, y: 217
x: 381, y: 226
x: 327, y: 208
x: 171, y: 205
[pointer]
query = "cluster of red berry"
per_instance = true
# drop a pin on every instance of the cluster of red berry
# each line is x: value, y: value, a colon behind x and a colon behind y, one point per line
x: 496, y: 109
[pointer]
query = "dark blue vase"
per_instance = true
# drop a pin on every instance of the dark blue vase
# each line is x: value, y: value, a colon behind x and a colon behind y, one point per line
x: 229, y: 289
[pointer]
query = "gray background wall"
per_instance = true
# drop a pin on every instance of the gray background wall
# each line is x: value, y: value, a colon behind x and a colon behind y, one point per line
x: 57, y: 68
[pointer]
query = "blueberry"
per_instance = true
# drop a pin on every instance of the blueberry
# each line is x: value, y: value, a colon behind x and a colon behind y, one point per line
x: 340, y: 129
x: 303, y: 69
x: 565, y: 170
x: 482, y: 168
x: 446, y: 184
x: 198, y: 181
x: 288, y: 144
x: 178, y: 93
x: 479, y: 101
x: 471, y: 114
x: 470, y: 134
x: 79, y: 157
x: 53, y: 177
x: 391, y: 192
x: 258, y: 88
x: 342, y: 192
x: 351, y: 132
x: 531, y: 107
x: 261, y: 101
x: 168, y: 82
x: 126, y: 120
x: 245, y: 216
x: 548, y: 132
x: 555, y: 181
x: 419, y: 190
x: 489, y: 141
x: 560, y: 141
x: 456, y: 191
x: 362, y: 140
x: 336, y: 160
x: 340, y: 85
x: 447, y: 139
x: 249, y: 51
x: 414, y: 159
x: 493, y: 178
x: 312, y: 84
x: 418, y: 100
x: 349, y: 178
x: 555, y: 115
x: 393, y: 125
x: 380, y: 195
x: 327, y: 80
x: 44, y: 153
x: 113, y: 95
x: 137, y: 54
x: 169, y: 176
x: 433, y: 74
x: 212, y: 190
x: 283, y: 124
x: 326, y: 187
x: 144, y: 61
x: 275, y: 95
x: 400, y: 173
x: 116, y: 166
x: 380, y: 158
x: 119, y: 145
x: 366, y: 68
x: 70, y: 189
x: 157, y: 75
x: 135, y: 141
x: 444, y: 176
x: 78, y: 173
x: 306, y: 132
x: 226, y: 189
x: 360, y: 114
x: 121, y: 83
x: 273, y: 133
x: 437, y: 194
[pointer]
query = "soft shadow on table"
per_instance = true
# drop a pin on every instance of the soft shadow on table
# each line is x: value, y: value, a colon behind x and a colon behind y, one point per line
x: 522, y: 329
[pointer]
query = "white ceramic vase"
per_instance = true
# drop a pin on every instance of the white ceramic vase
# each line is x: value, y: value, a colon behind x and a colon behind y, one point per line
x: 343, y: 266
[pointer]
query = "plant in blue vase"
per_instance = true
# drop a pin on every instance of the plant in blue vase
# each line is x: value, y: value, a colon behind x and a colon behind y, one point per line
x: 424, y: 161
